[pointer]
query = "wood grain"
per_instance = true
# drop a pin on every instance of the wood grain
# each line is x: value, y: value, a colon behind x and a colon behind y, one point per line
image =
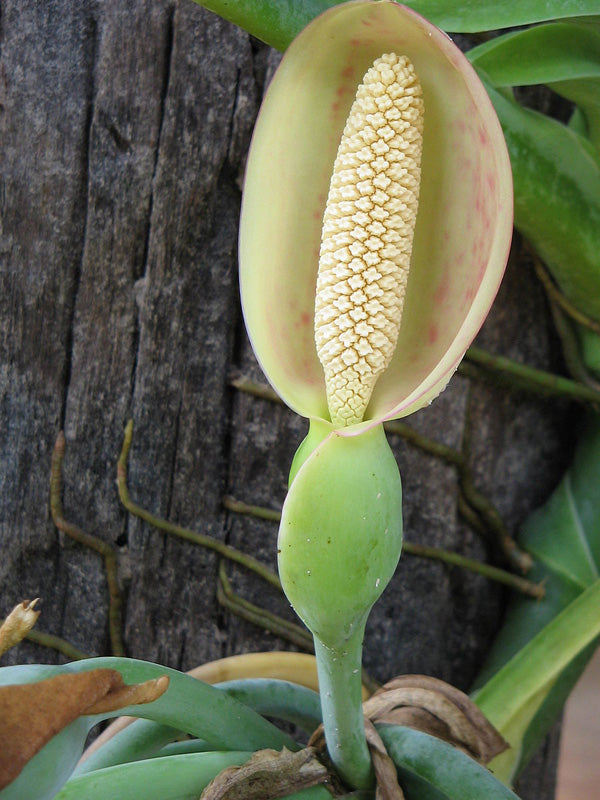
x: 124, y: 129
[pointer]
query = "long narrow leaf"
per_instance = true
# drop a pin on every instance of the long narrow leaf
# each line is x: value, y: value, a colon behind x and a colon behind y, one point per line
x: 178, y: 777
x: 194, y: 707
x: 144, y: 738
x: 513, y: 696
x: 277, y: 22
x: 564, y: 56
x: 430, y: 769
x: 471, y: 16
x: 278, y: 699
x: 181, y: 777
x: 564, y: 538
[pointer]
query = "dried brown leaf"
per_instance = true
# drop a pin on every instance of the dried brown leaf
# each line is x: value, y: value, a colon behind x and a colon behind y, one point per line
x: 269, y: 774
x: 17, y: 624
x: 135, y: 695
x: 437, y: 708
x: 33, y: 713
x: 386, y: 775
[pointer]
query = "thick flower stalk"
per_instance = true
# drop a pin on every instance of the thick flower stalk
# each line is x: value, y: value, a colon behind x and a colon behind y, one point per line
x: 376, y: 222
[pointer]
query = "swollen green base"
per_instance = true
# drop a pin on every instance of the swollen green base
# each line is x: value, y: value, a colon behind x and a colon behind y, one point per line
x: 339, y: 544
x: 341, y: 533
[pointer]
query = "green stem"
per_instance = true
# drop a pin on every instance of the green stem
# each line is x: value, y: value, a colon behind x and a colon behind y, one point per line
x: 556, y: 296
x: 56, y: 643
x: 522, y: 585
x: 341, y: 703
x: 526, y: 377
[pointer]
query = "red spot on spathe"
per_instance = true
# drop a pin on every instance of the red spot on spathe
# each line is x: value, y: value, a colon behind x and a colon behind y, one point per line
x: 432, y: 333
x: 441, y: 293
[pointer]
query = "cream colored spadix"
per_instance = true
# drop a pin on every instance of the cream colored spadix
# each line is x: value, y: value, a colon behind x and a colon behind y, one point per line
x: 367, y: 235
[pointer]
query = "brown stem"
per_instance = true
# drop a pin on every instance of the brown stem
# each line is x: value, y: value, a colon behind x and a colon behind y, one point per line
x: 259, y: 616
x: 177, y: 530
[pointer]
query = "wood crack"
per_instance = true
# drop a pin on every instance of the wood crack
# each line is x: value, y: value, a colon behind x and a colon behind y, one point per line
x: 143, y: 267
x: 84, y: 199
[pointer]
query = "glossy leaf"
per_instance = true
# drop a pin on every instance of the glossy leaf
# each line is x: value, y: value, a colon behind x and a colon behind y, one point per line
x: 463, y: 229
x: 430, y: 769
x: 513, y: 696
x: 277, y: 22
x: 471, y: 16
x: 564, y: 56
x: 564, y: 538
x: 556, y: 178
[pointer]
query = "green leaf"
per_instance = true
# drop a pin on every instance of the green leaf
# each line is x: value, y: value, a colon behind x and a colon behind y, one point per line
x: 548, y: 53
x: 279, y: 699
x: 277, y: 22
x: 471, y: 16
x: 194, y: 707
x: 556, y: 178
x: 513, y: 696
x: 141, y: 739
x: 564, y: 56
x: 564, y: 537
x: 274, y: 698
x: 178, y: 777
x: 181, y: 777
x: 430, y: 769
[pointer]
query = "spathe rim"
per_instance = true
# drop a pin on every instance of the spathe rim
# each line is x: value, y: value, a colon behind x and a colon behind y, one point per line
x: 463, y: 229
